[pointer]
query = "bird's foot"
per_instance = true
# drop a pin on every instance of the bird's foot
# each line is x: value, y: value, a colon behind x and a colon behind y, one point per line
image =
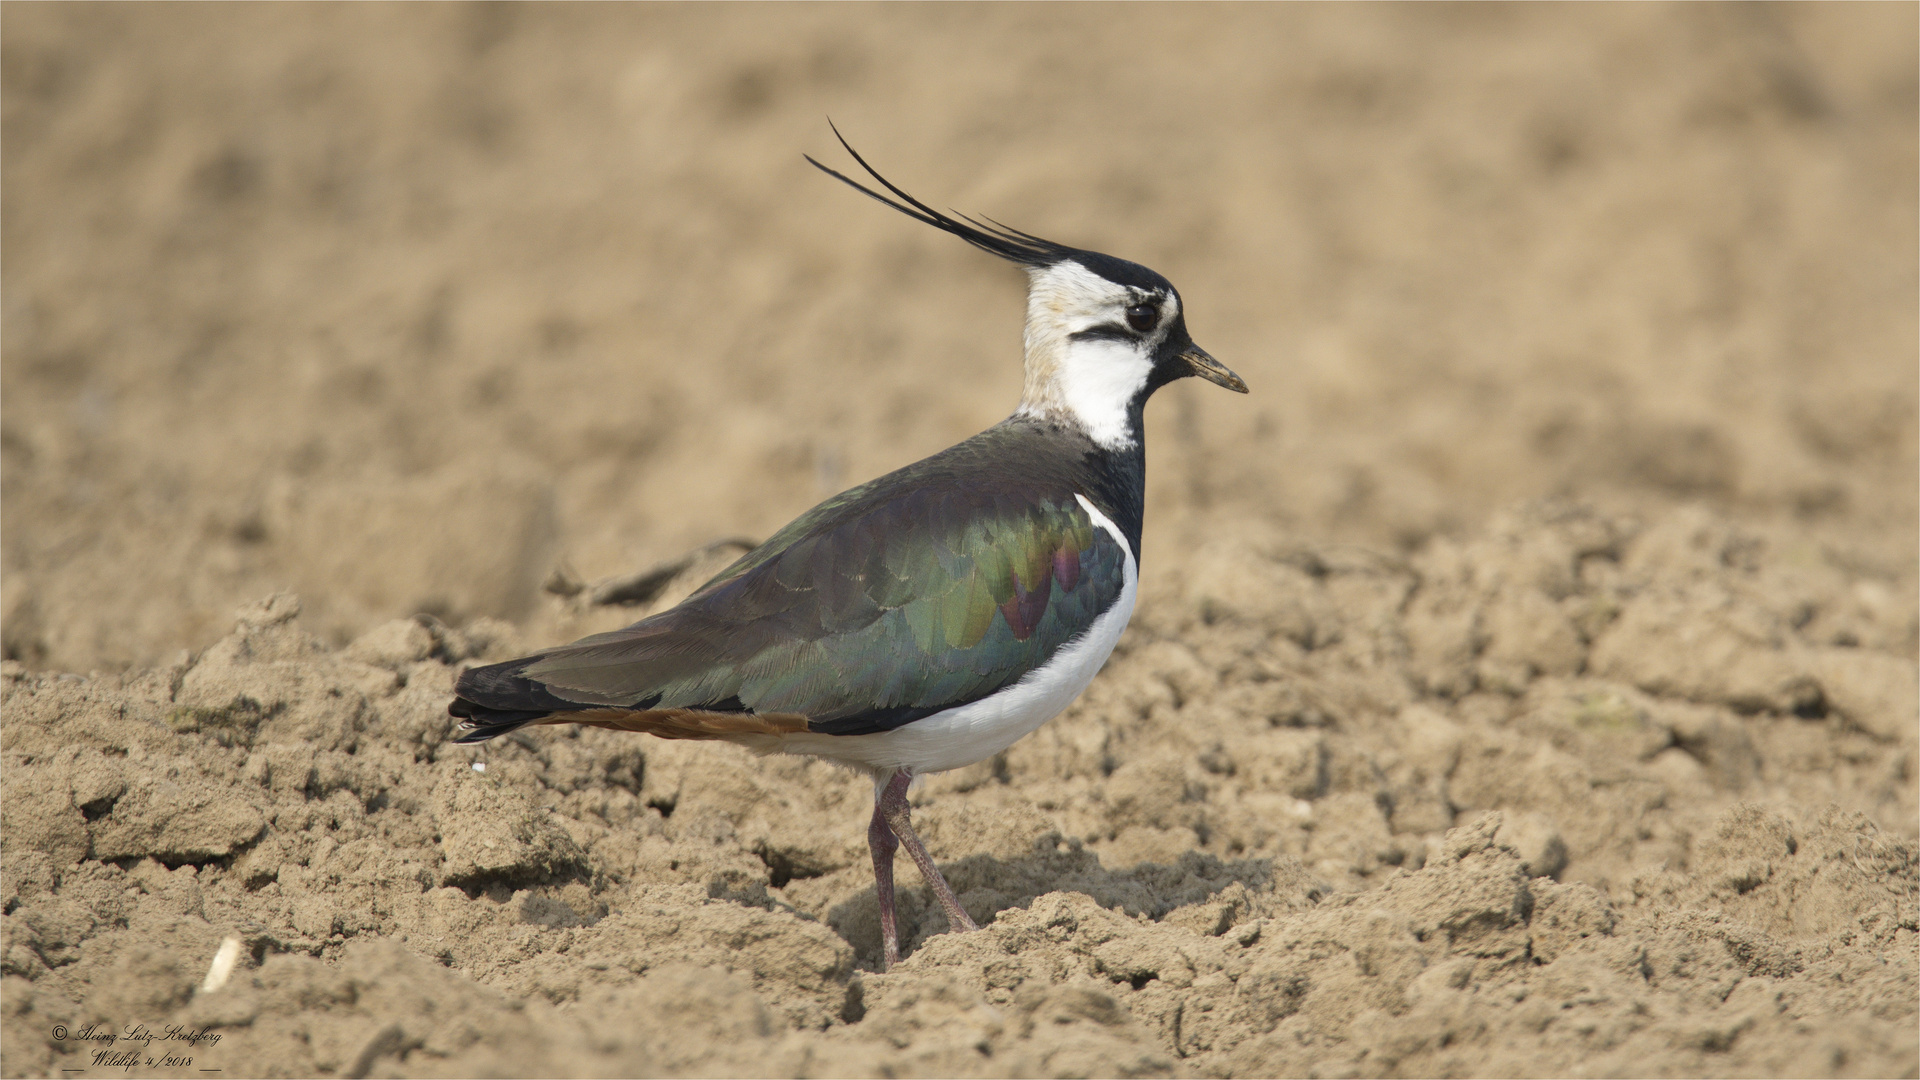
x: 881, y: 842
x: 893, y: 827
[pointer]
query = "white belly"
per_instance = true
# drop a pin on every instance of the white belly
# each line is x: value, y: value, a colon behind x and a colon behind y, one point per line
x: 978, y: 730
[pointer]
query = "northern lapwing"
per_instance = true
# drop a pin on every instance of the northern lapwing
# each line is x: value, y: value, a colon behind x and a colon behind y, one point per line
x: 930, y: 618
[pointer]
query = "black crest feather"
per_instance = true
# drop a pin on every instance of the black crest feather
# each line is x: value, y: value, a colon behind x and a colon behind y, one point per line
x: 989, y: 236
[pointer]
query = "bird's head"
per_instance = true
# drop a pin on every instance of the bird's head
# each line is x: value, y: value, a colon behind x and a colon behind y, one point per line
x: 1102, y: 333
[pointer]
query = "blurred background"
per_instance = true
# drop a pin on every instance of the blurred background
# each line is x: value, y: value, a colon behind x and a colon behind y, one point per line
x: 418, y: 307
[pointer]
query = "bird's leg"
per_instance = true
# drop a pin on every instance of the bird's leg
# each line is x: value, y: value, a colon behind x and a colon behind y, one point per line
x: 894, y: 808
x: 881, y: 842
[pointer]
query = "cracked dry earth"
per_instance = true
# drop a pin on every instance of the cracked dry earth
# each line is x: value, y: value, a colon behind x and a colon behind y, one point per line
x: 1327, y: 812
x: 1523, y: 679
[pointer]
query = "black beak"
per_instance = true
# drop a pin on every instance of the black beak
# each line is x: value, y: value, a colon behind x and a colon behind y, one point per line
x: 1215, y: 372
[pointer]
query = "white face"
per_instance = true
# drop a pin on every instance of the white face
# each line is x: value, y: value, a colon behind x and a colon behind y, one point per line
x: 1084, y: 357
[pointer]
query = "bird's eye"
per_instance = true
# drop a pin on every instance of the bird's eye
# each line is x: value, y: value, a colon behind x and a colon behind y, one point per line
x: 1143, y: 317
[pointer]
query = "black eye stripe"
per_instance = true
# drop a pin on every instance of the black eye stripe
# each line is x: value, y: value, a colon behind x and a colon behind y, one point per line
x: 1109, y: 331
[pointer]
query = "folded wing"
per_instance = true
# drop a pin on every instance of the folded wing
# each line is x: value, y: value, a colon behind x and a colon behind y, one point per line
x: 884, y: 605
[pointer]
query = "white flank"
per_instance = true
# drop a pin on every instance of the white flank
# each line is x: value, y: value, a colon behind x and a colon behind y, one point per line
x: 1091, y: 379
x: 981, y: 729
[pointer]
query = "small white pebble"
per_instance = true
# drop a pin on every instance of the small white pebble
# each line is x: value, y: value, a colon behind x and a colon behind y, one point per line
x: 479, y: 766
x: 222, y: 968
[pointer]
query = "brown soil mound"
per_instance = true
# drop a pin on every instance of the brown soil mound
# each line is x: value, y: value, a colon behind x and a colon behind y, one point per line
x: 1524, y: 678
x: 1654, y: 829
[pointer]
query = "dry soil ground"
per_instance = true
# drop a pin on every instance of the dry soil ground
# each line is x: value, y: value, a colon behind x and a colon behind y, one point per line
x: 1524, y: 676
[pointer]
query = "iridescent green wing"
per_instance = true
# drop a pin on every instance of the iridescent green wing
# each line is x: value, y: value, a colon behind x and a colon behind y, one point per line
x: 884, y: 605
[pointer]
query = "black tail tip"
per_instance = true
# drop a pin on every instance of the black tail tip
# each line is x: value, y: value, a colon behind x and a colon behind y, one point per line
x: 479, y: 723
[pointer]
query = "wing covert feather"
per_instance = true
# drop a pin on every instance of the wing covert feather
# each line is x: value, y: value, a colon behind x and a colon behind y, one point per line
x: 869, y: 613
